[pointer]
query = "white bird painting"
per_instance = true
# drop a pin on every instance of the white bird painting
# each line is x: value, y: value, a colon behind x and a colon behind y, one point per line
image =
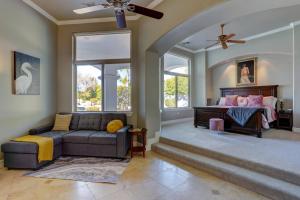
x: 24, y: 82
x: 27, y: 74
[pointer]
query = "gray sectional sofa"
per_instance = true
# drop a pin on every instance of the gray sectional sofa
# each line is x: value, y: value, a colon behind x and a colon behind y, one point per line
x: 87, y: 137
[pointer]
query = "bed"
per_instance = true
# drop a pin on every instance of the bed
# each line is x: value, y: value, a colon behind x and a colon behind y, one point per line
x: 253, y: 126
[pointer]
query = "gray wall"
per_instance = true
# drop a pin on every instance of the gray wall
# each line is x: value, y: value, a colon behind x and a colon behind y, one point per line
x: 151, y: 32
x: 274, y: 64
x: 22, y: 29
x: 200, y: 79
x: 296, y: 78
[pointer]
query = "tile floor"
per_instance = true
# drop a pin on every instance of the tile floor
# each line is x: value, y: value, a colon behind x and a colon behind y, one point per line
x: 153, y: 178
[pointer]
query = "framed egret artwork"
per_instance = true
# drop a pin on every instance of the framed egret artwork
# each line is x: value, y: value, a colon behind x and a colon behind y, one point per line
x: 26, y: 74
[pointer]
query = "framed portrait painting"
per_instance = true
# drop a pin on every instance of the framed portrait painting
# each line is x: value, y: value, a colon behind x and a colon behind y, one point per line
x: 246, y: 72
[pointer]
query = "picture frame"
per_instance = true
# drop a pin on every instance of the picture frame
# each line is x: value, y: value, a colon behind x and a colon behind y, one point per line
x: 246, y: 72
x: 26, y: 74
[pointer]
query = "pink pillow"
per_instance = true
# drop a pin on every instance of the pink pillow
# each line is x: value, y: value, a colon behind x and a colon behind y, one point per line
x: 242, y: 101
x: 231, y: 100
x: 255, y: 100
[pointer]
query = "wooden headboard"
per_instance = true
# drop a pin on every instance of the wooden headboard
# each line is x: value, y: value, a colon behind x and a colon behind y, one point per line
x: 268, y: 90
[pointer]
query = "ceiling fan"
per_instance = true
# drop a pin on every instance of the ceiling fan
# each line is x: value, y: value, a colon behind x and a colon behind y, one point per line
x: 119, y: 7
x: 225, y: 39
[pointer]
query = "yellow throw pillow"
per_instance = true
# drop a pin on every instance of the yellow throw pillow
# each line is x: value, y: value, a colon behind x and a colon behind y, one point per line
x: 62, y: 122
x: 114, y: 125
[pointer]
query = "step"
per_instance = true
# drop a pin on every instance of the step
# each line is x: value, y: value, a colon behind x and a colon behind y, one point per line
x: 287, y: 176
x: 268, y: 186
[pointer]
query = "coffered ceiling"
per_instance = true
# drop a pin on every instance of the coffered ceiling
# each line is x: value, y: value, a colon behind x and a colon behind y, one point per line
x: 63, y: 9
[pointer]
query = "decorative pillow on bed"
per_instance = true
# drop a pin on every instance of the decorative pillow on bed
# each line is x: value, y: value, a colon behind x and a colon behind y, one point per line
x: 242, y: 101
x: 255, y: 100
x: 222, y: 101
x: 270, y: 101
x: 231, y: 100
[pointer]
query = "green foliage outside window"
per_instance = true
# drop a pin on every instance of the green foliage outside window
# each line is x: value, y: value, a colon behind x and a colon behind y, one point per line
x: 170, y: 90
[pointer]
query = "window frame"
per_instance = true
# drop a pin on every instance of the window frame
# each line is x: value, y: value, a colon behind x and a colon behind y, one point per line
x: 176, y: 82
x: 101, y: 62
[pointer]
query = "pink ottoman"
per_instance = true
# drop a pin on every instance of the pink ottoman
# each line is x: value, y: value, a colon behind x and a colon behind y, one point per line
x: 216, y: 124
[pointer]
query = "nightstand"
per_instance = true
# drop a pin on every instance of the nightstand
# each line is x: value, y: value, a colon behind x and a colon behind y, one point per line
x: 138, y: 145
x: 285, y: 120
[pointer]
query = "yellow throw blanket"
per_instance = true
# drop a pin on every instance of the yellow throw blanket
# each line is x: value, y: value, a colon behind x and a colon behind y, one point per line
x: 45, y: 146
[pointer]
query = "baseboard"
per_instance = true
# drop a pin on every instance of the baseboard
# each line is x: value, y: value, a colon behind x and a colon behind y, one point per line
x: 176, y: 121
x: 295, y: 129
x: 151, y: 141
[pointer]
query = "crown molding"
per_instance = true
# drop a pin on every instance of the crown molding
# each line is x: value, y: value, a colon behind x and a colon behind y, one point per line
x: 93, y: 20
x: 40, y: 10
x: 33, y: 5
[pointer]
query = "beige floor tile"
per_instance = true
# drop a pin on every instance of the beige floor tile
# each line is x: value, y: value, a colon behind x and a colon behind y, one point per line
x: 169, y: 179
x: 153, y: 178
x: 100, y: 190
x: 121, y: 195
x: 148, y: 190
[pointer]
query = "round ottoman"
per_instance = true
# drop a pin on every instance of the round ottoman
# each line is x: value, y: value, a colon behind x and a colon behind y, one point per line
x: 216, y: 124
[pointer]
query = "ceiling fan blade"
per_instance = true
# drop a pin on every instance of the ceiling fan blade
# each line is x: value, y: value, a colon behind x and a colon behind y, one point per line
x: 237, y: 41
x: 90, y: 9
x: 224, y: 45
x: 212, y: 45
x: 227, y: 37
x: 121, y: 20
x: 145, y: 11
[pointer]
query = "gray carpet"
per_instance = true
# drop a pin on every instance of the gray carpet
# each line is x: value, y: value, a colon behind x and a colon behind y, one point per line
x: 277, y: 148
x: 96, y: 170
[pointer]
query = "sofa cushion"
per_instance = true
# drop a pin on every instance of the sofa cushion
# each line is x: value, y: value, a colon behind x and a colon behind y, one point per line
x: 75, y: 121
x: 107, y: 117
x: 56, y: 135
x: 102, y: 137
x: 89, y: 121
x: 19, y: 147
x: 80, y: 137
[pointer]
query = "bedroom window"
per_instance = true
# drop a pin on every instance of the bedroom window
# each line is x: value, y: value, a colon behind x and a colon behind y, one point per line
x: 176, y: 80
x: 102, y: 72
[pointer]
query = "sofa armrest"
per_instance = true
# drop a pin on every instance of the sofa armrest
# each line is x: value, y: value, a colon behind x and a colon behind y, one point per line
x: 123, y: 141
x: 41, y: 129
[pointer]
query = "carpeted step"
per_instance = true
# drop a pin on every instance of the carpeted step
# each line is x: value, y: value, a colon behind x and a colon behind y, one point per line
x: 268, y: 186
x: 269, y: 170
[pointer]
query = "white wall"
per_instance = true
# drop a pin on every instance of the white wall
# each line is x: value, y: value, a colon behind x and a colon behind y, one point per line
x: 23, y: 29
x: 274, y: 64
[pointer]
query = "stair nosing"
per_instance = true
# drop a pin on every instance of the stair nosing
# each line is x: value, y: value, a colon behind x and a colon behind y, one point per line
x: 271, y: 171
